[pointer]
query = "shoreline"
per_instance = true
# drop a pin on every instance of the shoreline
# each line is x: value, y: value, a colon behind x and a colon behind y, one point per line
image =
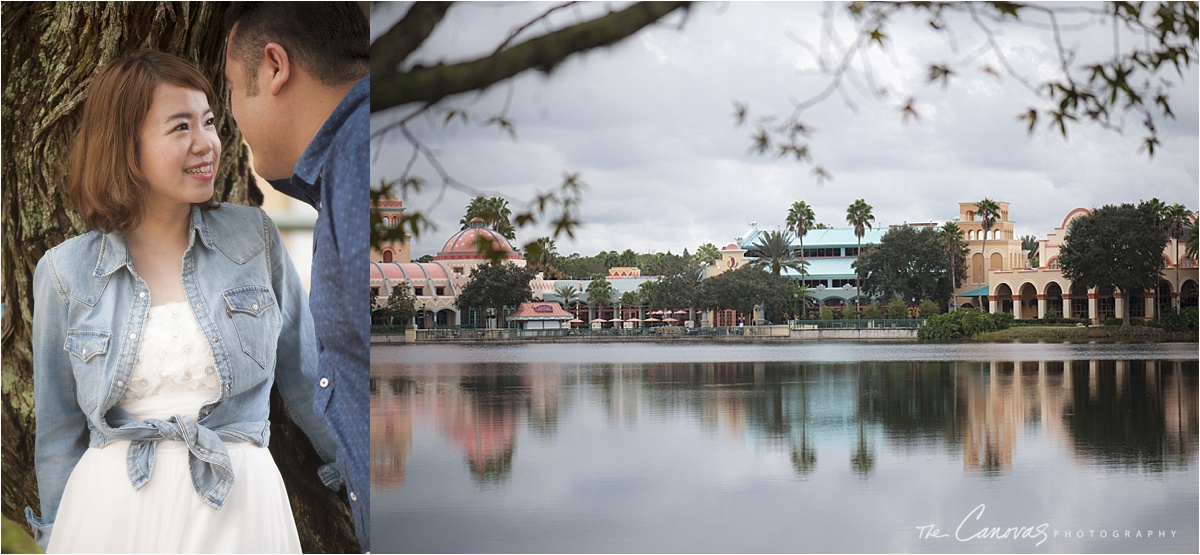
x: 1018, y: 334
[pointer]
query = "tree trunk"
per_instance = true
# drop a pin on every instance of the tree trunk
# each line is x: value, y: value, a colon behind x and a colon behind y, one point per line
x: 51, y: 51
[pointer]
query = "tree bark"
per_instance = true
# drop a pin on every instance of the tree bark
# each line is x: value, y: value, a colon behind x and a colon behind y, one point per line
x: 51, y: 52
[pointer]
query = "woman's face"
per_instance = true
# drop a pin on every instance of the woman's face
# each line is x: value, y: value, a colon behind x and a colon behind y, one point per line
x: 179, y: 148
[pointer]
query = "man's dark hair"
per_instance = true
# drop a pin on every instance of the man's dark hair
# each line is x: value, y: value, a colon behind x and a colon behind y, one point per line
x: 329, y: 40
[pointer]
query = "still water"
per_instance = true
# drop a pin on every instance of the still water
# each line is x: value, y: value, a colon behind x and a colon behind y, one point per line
x: 830, y: 447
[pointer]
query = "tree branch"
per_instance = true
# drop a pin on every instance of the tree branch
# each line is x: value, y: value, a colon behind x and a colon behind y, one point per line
x: 392, y: 87
x: 399, y: 42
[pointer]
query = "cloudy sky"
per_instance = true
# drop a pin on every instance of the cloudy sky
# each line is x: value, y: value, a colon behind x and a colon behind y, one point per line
x: 649, y: 126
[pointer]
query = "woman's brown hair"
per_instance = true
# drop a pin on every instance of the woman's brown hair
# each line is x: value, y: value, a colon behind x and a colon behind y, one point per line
x: 105, y: 185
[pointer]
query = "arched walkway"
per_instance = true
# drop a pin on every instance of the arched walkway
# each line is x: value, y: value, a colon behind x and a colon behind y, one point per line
x: 1026, y: 305
x: 1187, y: 294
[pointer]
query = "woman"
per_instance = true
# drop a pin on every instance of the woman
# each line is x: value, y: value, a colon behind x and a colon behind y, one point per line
x: 158, y: 335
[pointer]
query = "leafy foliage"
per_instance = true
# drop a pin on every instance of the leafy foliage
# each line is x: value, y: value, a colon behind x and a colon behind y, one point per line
x: 401, y: 305
x: 774, y: 250
x: 599, y: 292
x: 707, y: 253
x: 1153, y: 44
x: 909, y: 263
x: 743, y: 289
x: 1115, y: 246
x: 962, y: 324
x: 495, y: 286
x: 494, y: 212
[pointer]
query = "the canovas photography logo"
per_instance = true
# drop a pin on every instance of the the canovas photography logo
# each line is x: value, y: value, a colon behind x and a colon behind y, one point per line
x: 974, y: 527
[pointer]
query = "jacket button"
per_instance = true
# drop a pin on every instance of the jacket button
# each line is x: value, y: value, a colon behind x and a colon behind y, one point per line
x: 120, y: 383
x: 133, y: 336
x: 353, y: 497
x: 141, y: 294
x: 254, y: 307
x: 324, y: 382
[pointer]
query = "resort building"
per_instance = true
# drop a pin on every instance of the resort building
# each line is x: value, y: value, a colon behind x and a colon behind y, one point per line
x: 1039, y: 292
x: 1000, y: 278
x: 830, y: 254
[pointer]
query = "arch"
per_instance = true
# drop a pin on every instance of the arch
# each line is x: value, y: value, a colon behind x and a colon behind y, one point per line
x: 970, y: 215
x: 1079, y: 302
x: 1003, y: 296
x: 1187, y: 294
x: 1027, y: 295
x: 1054, y: 296
x: 446, y: 317
x: 1075, y: 214
x: 1054, y: 263
x: 388, y: 256
x: 1162, y: 296
x: 996, y: 261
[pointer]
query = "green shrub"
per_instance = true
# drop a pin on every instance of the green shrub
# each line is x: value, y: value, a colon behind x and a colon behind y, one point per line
x: 1183, y: 320
x: 1113, y: 322
x: 962, y: 323
x: 872, y: 311
x: 929, y: 308
x: 897, y: 309
x: 826, y: 313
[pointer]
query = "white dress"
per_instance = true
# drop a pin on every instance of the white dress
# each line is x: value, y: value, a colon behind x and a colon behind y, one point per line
x: 101, y: 513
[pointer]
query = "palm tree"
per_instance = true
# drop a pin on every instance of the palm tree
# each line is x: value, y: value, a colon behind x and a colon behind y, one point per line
x: 540, y: 255
x: 858, y: 214
x: 988, y: 211
x: 495, y: 214
x: 1192, y: 241
x: 952, y: 235
x: 707, y: 253
x: 599, y: 292
x: 804, y: 299
x: 800, y: 219
x: 1178, y: 221
x: 775, y: 252
x: 568, y: 293
x: 1030, y: 244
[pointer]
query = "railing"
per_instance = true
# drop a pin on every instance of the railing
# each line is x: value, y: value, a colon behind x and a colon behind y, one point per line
x: 859, y: 324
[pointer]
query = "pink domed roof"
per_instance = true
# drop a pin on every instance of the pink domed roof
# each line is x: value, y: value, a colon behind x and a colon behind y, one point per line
x: 464, y: 244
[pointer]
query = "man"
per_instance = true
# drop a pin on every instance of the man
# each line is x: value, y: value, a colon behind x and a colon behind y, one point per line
x: 299, y: 82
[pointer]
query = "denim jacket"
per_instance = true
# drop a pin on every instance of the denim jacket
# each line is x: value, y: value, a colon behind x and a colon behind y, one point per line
x: 89, y: 310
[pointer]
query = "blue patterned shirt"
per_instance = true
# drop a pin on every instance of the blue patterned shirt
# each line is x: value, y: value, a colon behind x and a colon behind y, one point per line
x: 333, y: 175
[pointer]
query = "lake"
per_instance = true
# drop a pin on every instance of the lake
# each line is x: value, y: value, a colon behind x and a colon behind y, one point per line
x: 797, y: 447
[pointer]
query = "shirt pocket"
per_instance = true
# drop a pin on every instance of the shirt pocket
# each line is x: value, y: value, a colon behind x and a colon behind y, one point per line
x: 255, y: 316
x: 86, y: 344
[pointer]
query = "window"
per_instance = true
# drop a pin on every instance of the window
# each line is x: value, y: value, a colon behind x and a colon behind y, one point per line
x: 852, y: 251
x: 1186, y: 262
x: 418, y: 291
x: 822, y: 252
x: 387, y: 256
x: 439, y: 291
x: 1054, y: 264
x: 814, y: 283
x: 458, y: 271
x: 843, y: 282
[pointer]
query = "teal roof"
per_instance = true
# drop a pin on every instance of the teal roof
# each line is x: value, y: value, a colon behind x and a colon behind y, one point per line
x: 840, y: 237
x: 826, y: 268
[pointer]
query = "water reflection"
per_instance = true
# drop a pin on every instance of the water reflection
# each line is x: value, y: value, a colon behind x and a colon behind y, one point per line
x: 1122, y: 414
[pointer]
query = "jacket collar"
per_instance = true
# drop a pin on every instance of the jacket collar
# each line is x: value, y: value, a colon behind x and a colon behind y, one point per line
x: 114, y: 253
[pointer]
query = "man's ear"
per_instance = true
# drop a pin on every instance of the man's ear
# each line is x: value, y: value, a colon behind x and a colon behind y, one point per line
x: 278, y: 64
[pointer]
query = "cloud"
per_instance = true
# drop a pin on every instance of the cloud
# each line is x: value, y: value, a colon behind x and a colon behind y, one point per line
x: 649, y: 125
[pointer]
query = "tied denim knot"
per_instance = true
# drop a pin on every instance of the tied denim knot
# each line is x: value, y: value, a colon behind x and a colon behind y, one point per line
x: 208, y: 459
